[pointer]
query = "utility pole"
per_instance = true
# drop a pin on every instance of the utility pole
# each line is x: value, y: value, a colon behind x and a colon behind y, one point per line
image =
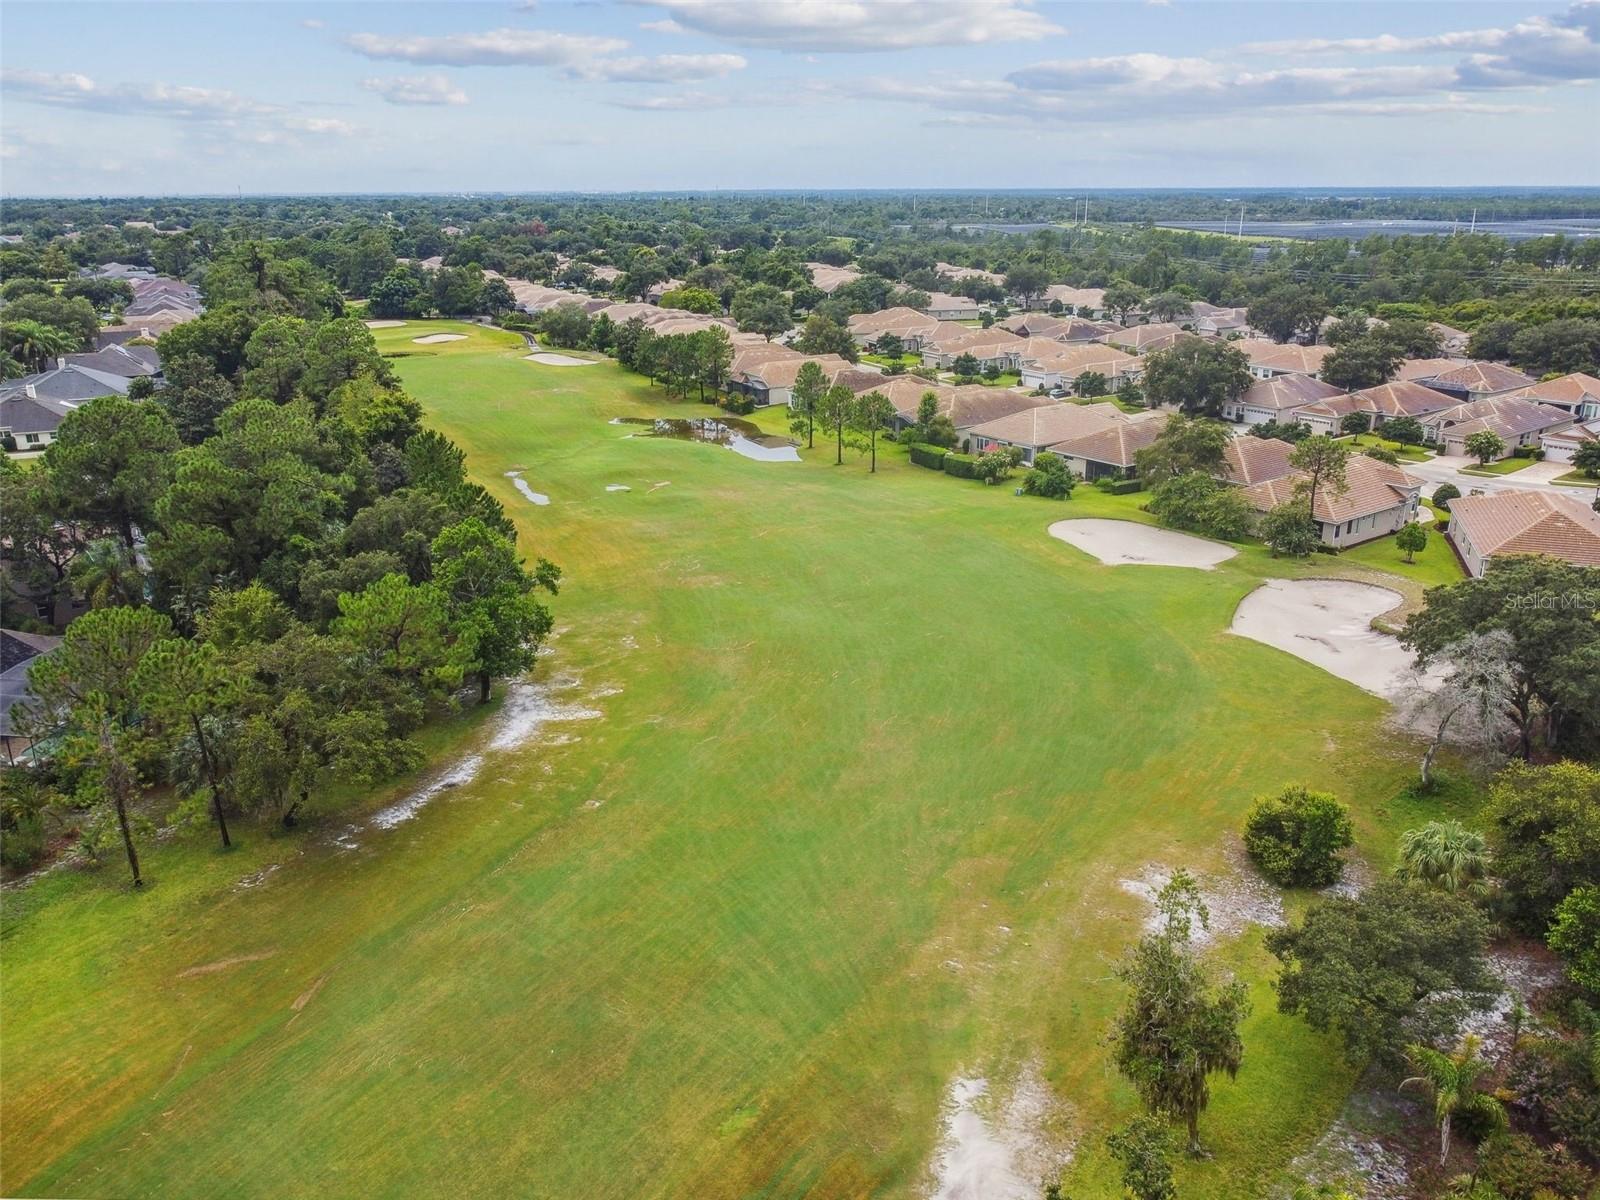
x: 1241, y: 218
x: 1474, y: 228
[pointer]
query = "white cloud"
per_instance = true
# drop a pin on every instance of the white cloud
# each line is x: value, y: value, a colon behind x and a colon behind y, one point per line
x: 666, y: 25
x: 495, y: 48
x: 417, y: 90
x: 663, y: 68
x: 675, y: 102
x: 860, y: 25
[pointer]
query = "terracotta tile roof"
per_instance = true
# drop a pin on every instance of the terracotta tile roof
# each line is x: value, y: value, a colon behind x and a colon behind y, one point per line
x: 1074, y: 360
x: 1075, y: 296
x: 1402, y: 398
x: 1483, y: 377
x: 943, y: 302
x: 1248, y: 460
x: 889, y: 320
x: 1145, y: 338
x: 1425, y: 368
x: 1569, y: 391
x: 950, y: 271
x: 1283, y: 392
x: 1050, y: 423
x: 1529, y: 522
x: 828, y: 278
x: 972, y: 341
x: 1114, y: 445
x: 1304, y: 360
x: 781, y: 372
x: 1508, y: 416
x: 1370, y: 487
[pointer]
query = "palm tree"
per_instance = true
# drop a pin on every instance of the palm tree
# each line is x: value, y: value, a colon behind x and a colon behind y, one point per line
x: 35, y: 343
x: 1451, y: 1079
x: 106, y: 573
x: 1445, y: 855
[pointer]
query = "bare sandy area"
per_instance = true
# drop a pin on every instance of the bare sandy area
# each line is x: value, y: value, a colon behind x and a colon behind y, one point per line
x: 433, y: 339
x: 551, y: 359
x: 1328, y: 623
x: 1123, y: 542
x: 383, y: 324
x: 999, y: 1148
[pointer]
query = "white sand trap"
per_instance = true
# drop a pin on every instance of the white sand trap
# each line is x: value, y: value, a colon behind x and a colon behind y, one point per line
x: 558, y: 360
x: 433, y: 339
x: 1327, y: 622
x: 522, y: 486
x: 1123, y: 542
x: 383, y: 324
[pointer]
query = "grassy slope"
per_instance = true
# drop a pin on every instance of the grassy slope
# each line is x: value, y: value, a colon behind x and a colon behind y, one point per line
x: 737, y: 939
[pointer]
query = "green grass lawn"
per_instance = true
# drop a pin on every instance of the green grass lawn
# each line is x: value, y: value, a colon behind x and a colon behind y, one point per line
x: 875, y: 753
x: 1402, y: 451
x: 888, y: 360
x: 1578, y: 477
x: 1506, y: 466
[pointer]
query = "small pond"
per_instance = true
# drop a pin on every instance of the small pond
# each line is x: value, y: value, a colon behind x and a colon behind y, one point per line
x: 742, y: 437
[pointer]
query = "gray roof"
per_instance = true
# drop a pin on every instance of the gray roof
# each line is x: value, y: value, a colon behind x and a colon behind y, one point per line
x: 69, y: 382
x: 126, y: 362
x: 19, y: 414
x: 17, y: 652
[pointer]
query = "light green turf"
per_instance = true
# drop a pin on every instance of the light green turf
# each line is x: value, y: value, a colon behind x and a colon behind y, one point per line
x: 853, y: 825
x: 1504, y: 466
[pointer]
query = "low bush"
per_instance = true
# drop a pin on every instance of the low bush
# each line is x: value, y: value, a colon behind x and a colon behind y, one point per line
x: 742, y: 405
x: 1120, y: 487
x: 962, y: 466
x: 928, y: 456
x: 1521, y: 1170
x: 1050, y: 477
x: 1443, y: 494
x: 1296, y: 837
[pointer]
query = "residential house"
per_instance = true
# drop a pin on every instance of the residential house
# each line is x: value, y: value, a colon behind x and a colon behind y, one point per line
x: 1250, y: 460
x: 129, y: 362
x: 955, y: 274
x: 771, y: 380
x: 968, y: 406
x: 1562, y: 445
x: 1576, y: 393
x: 1551, y: 522
x: 1109, y: 453
x: 1378, y: 499
x: 903, y: 322
x: 1478, y: 380
x: 1269, y: 358
x: 1451, y: 339
x: 1379, y: 404
x: 18, y: 651
x: 1144, y: 339
x: 1414, y: 369
x: 828, y: 278
x: 1067, y: 330
x: 1278, y: 398
x: 1042, y: 428
x: 1515, y: 421
x: 1085, y: 302
x: 987, y: 346
x: 1061, y: 368
x: 655, y: 291
x: 1220, y: 322
x: 605, y: 273
x: 33, y: 407
x: 942, y: 306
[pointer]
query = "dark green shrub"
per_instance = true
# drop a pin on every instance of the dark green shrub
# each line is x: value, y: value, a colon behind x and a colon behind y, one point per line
x: 1124, y: 487
x: 962, y: 466
x: 928, y: 456
x: 742, y: 405
x: 1521, y: 1170
x: 1443, y: 494
x: 1296, y: 837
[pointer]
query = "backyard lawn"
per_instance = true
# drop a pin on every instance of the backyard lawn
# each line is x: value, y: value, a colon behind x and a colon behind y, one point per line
x: 874, y: 758
x: 1401, y: 450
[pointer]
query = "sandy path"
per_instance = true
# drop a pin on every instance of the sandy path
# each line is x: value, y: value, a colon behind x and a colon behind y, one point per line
x: 1123, y: 542
x: 551, y: 359
x: 1328, y: 623
x: 433, y: 339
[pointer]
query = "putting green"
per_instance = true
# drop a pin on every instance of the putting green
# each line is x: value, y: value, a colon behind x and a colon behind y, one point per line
x: 852, y: 826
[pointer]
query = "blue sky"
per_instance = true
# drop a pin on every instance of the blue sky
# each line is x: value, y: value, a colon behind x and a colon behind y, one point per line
x: 698, y: 94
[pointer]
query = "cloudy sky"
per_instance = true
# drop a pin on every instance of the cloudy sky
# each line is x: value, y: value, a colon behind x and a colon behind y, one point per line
x: 696, y: 94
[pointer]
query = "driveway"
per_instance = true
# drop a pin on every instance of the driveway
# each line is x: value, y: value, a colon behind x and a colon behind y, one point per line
x: 1446, y: 468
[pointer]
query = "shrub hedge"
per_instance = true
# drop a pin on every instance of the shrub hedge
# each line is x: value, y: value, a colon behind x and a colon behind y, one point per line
x: 1120, y: 487
x: 928, y: 456
x: 962, y: 466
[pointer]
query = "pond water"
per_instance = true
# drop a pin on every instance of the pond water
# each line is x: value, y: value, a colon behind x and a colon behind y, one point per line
x: 742, y: 437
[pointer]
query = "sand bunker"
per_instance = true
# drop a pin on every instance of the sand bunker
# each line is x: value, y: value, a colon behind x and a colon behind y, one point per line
x: 383, y: 324
x: 1327, y: 622
x: 558, y: 360
x: 522, y: 486
x: 1123, y: 542
x: 433, y: 339
x: 999, y: 1151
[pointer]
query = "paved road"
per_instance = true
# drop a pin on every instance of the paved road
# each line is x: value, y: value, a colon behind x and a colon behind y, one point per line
x: 1447, y: 469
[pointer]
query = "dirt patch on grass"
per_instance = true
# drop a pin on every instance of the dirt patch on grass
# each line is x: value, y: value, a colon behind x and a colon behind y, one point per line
x: 222, y: 964
x: 1124, y: 543
x: 1236, y: 898
x: 305, y: 997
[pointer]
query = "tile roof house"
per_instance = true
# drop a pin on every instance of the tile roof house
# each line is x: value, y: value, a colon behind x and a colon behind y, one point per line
x: 1562, y: 445
x: 986, y: 345
x: 1060, y: 329
x: 1478, y: 380
x: 1250, y: 460
x: 1060, y: 368
x: 771, y: 381
x: 1268, y: 358
x: 1086, y: 302
x: 967, y: 406
x: 944, y: 307
x: 1109, y: 453
x: 952, y: 272
x: 1424, y: 368
x: 828, y: 278
x: 1451, y: 339
x: 33, y: 407
x: 1524, y: 522
x: 1043, y: 427
x: 901, y: 321
x: 1380, y: 404
x: 1515, y: 421
x: 1143, y: 339
x: 1220, y: 322
x: 1576, y: 393
x: 1377, y: 500
x: 129, y: 362
x: 1278, y: 398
